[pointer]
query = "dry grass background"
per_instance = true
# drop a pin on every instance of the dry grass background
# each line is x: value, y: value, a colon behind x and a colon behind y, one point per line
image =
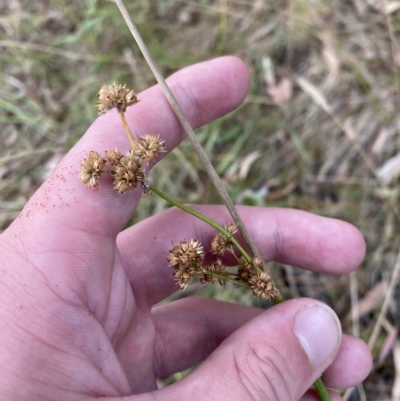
x: 318, y: 131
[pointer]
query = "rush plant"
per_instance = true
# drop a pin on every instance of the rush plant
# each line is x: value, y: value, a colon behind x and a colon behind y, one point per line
x: 187, y: 258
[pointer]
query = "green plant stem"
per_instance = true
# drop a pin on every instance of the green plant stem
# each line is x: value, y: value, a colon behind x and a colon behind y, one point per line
x: 322, y: 391
x: 204, y: 218
x: 225, y: 278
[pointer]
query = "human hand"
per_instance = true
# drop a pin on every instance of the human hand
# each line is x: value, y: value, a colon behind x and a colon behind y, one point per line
x: 77, y: 320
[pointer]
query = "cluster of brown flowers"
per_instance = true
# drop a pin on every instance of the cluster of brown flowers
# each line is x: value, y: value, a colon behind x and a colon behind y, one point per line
x: 126, y: 170
x: 115, y: 96
x: 91, y: 169
x: 187, y: 260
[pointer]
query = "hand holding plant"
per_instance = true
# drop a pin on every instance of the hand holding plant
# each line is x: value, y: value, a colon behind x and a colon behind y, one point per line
x: 77, y: 320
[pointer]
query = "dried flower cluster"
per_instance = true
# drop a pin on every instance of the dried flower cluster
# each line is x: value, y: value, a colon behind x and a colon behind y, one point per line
x: 117, y: 96
x: 220, y: 243
x: 91, y: 169
x: 126, y: 170
x: 149, y: 146
x: 187, y: 260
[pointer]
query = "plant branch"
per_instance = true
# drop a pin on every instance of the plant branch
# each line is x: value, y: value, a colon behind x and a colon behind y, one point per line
x: 225, y: 278
x: 204, y: 218
x: 189, y: 131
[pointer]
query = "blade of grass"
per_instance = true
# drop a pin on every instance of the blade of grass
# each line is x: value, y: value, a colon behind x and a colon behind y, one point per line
x: 27, y: 153
x: 388, y: 297
x: 21, y: 115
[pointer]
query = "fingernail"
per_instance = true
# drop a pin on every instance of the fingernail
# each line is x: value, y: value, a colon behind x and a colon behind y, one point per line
x: 318, y: 329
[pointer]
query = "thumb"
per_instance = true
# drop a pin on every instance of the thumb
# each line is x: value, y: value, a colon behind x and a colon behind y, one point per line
x: 276, y: 356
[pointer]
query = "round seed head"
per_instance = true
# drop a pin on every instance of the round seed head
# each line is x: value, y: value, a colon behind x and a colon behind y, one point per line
x: 113, y: 156
x: 91, y: 168
x: 118, y: 96
x: 149, y: 146
x: 221, y: 242
x: 182, y: 279
x: 262, y: 286
x: 187, y: 256
x: 127, y: 172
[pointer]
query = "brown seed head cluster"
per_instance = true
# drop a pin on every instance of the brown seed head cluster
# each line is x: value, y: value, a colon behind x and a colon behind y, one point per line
x: 244, y: 269
x: 118, y: 96
x: 262, y: 286
x: 187, y: 260
x: 186, y: 255
x: 127, y: 172
x: 149, y: 146
x: 91, y: 169
x: 113, y: 156
x: 216, y: 267
x: 220, y: 242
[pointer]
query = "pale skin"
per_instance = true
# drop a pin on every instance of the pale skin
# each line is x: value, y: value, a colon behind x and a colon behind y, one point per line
x: 77, y: 320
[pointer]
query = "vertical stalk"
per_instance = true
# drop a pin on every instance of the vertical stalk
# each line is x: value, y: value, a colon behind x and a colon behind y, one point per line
x: 127, y: 129
x: 190, y: 132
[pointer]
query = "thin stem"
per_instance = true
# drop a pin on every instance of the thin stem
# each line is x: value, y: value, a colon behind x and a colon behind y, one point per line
x: 225, y: 278
x: 127, y: 129
x: 322, y: 391
x: 189, y: 131
x: 204, y: 218
x: 386, y: 302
